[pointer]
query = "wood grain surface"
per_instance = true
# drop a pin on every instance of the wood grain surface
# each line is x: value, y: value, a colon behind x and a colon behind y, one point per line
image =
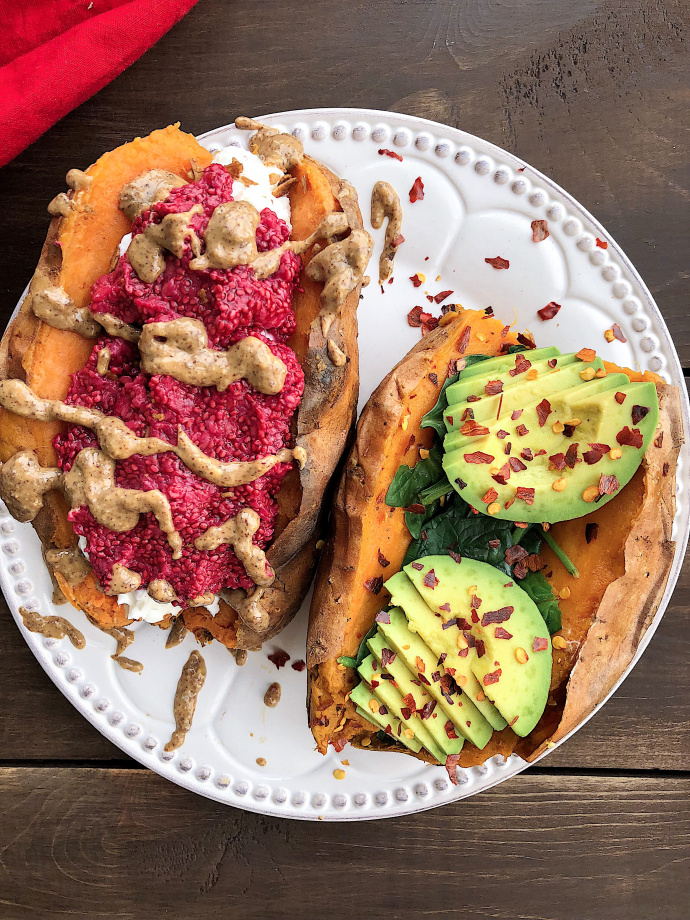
x: 595, y: 94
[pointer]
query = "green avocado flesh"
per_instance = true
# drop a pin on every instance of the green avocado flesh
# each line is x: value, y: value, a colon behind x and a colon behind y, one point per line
x: 507, y: 637
x: 501, y: 450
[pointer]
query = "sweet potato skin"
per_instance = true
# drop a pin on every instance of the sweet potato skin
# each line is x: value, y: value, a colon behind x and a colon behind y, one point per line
x: 388, y: 434
x: 77, y: 251
x: 632, y: 560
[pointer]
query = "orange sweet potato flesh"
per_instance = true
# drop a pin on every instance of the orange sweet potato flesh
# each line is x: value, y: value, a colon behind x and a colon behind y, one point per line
x: 623, y: 574
x: 388, y: 434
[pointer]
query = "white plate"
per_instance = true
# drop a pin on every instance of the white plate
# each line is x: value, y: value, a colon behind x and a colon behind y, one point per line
x: 479, y: 202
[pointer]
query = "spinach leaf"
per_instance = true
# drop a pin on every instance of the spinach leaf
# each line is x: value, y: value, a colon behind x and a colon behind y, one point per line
x: 456, y: 527
x: 408, y: 482
x: 434, y: 418
x: 540, y: 591
x: 362, y: 651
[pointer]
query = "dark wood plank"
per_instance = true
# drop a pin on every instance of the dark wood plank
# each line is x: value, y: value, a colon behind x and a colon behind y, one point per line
x: 105, y: 843
x: 644, y: 726
x: 591, y: 92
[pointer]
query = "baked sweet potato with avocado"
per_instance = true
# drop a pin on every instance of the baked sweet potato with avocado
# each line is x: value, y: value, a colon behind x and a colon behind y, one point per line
x: 81, y: 249
x: 623, y: 561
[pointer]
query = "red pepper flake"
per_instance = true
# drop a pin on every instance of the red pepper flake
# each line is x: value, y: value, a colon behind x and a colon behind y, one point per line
x: 473, y: 399
x: 449, y: 419
x: 628, y: 438
x: 539, y: 453
x: 493, y: 388
x: 535, y: 563
x: 591, y: 531
x: 450, y: 730
x: 473, y: 429
x: 430, y: 581
x: 527, y: 454
x: 398, y: 241
x: 526, y: 340
x: 620, y: 397
x: 659, y: 440
x: 422, y: 680
x: 517, y: 466
x: 279, y: 658
x: 569, y: 430
x: 418, y: 566
x: 587, y: 355
x: 494, y: 544
x: 374, y: 584
x: 548, y: 312
x: 552, y: 362
x: 456, y: 557
x: 557, y: 462
x: 540, y: 230
x: 638, y: 413
x: 408, y: 701
x: 390, y: 153
x: 543, y: 412
x: 464, y: 340
x: 414, y: 317
x: 521, y: 430
x: 618, y: 333
x: 387, y: 657
x: 571, y: 457
x: 507, y: 448
x: 452, y: 762
x: 501, y: 633
x: 502, y: 476
x: 478, y: 457
x: 516, y: 414
x: 497, y: 616
x: 417, y: 190
x: 427, y: 710
x: 489, y: 497
x: 468, y: 413
x: 525, y: 494
x: 540, y: 645
x: 480, y: 647
x: 521, y: 365
x: 319, y: 720
x: 602, y: 244
x: 383, y: 562
x: 498, y: 411
x: 434, y: 379
x: 441, y: 296
x: 500, y: 434
x: 608, y: 485
x: 504, y: 333
x: 515, y: 553
x: 298, y: 665
x: 410, y: 443
x: 428, y: 324
x: 339, y: 744
x: 445, y: 607
x: 492, y: 677
x: 417, y: 508
x: 416, y: 280
x: 383, y: 616
x: 595, y: 454
x: 498, y: 262
x: 374, y: 684
x: 664, y: 470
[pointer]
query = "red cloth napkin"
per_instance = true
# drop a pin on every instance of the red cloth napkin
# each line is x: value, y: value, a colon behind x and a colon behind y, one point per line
x: 55, y: 54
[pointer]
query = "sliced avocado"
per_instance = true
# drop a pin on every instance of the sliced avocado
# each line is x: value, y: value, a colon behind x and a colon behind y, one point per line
x: 424, y: 664
x: 513, y: 660
x: 364, y: 700
x: 405, y: 682
x: 521, y: 468
x: 502, y: 362
x: 392, y: 700
x: 425, y: 622
x: 475, y: 386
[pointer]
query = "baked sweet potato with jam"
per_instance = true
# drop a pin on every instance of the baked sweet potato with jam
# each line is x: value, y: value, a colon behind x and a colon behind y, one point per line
x: 78, y: 250
x: 623, y: 573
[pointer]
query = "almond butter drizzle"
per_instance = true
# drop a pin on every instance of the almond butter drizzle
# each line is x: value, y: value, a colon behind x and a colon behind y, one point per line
x: 52, y: 627
x: 119, y: 442
x: 71, y: 563
x: 103, y: 361
x: 340, y: 267
x: 188, y: 688
x: 275, y: 149
x: 54, y: 306
x: 177, y: 633
x: 123, y: 580
x: 385, y: 204
x: 146, y: 252
x: 238, y: 533
x: 179, y: 348
x: 148, y: 188
x: 249, y: 608
x: 124, y: 638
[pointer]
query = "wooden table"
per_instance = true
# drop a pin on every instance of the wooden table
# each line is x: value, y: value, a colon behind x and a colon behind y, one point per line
x: 594, y: 95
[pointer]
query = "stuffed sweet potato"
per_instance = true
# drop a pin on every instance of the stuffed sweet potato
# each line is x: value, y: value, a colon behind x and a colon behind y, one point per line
x: 599, y: 630
x: 120, y: 417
